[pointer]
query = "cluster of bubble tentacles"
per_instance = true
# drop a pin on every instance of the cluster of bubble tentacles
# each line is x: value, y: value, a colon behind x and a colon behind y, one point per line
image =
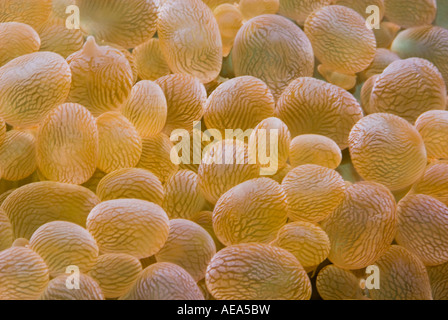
x: 89, y: 190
